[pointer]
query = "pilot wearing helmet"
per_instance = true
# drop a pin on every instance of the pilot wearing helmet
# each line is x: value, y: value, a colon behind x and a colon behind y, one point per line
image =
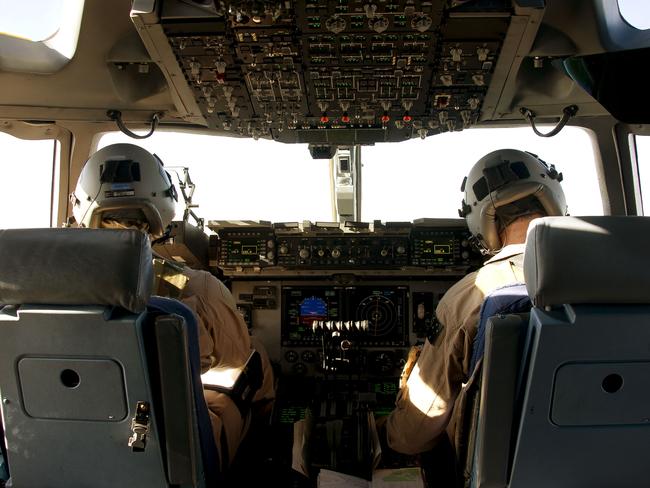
x: 504, y: 192
x: 125, y: 186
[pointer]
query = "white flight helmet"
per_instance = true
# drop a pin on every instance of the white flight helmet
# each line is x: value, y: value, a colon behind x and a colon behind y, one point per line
x: 504, y: 185
x: 124, y: 181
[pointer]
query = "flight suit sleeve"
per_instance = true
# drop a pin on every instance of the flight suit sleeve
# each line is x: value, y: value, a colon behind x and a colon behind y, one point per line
x: 223, y: 335
x: 206, y: 345
x: 425, y: 403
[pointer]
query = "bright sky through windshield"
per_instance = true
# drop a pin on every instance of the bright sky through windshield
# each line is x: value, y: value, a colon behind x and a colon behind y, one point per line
x: 265, y: 180
x: 419, y: 178
x: 35, y: 20
x: 245, y: 179
x: 25, y: 182
x: 643, y: 158
x: 635, y: 12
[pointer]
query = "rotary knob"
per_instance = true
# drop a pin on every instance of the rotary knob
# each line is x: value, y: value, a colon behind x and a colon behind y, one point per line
x: 401, y: 249
x: 321, y: 253
x: 299, y: 368
x: 291, y: 356
x: 383, y: 362
x: 304, y: 253
x: 284, y: 249
x: 308, y: 356
x: 336, y: 253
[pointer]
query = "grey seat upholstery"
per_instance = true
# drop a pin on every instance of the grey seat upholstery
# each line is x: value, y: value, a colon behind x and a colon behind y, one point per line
x: 82, y: 404
x: 582, y: 414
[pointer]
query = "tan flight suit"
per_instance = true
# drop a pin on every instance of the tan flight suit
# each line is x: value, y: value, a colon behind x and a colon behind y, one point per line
x: 224, y: 341
x: 432, y: 399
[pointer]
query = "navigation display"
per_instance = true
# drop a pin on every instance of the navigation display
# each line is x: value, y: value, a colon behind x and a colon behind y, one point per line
x: 374, y: 315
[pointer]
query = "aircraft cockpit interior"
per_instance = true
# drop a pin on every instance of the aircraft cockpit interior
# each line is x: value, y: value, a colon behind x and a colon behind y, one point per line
x: 329, y: 173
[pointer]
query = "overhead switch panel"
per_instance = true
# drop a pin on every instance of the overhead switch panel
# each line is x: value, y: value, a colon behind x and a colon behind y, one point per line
x: 341, y: 72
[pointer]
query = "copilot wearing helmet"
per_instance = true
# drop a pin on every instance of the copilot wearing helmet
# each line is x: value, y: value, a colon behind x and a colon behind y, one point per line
x: 124, y: 183
x: 503, y: 186
x: 125, y: 186
x: 504, y: 192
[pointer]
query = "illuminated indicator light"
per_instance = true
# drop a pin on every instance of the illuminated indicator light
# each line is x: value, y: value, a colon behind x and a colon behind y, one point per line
x: 385, y: 118
x: 407, y: 118
x: 324, y: 119
x: 345, y: 118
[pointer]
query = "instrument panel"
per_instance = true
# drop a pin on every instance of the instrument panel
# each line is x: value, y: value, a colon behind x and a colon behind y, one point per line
x: 342, y: 251
x: 435, y: 243
x: 369, y: 316
x: 320, y: 326
x: 330, y: 300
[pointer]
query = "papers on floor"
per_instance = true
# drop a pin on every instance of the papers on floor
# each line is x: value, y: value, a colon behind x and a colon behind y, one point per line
x: 381, y: 478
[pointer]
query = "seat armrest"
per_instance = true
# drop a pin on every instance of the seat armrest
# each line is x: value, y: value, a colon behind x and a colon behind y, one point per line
x: 240, y: 384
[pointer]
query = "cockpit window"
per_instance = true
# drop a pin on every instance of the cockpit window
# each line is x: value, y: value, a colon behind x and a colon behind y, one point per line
x: 243, y: 179
x: 643, y: 159
x: 422, y: 178
x: 26, y: 170
x: 39, y: 36
x: 35, y: 21
x: 635, y: 12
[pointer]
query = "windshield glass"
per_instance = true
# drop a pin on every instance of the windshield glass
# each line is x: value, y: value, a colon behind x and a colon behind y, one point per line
x: 244, y: 179
x: 419, y: 178
x: 26, y: 172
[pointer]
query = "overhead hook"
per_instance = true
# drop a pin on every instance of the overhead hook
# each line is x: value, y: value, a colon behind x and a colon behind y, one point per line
x: 568, y: 112
x: 116, y: 116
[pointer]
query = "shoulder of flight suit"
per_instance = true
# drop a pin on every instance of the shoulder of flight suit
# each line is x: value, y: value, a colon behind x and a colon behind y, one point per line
x: 424, y: 406
x: 224, y: 338
x: 229, y: 342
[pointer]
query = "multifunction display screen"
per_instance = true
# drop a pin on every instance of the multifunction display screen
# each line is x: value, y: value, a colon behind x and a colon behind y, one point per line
x: 302, y: 306
x: 376, y: 315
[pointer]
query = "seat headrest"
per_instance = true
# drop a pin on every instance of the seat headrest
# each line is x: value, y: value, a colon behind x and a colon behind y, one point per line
x: 75, y: 267
x: 581, y: 260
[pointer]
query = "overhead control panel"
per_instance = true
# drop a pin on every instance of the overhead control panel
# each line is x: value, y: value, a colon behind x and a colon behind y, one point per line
x: 427, y: 243
x: 343, y: 72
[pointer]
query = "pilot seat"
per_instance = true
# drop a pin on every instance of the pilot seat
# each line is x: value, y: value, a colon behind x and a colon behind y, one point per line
x: 564, y: 397
x: 100, y: 382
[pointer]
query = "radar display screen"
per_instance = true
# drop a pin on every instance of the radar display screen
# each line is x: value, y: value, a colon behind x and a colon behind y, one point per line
x: 385, y: 310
